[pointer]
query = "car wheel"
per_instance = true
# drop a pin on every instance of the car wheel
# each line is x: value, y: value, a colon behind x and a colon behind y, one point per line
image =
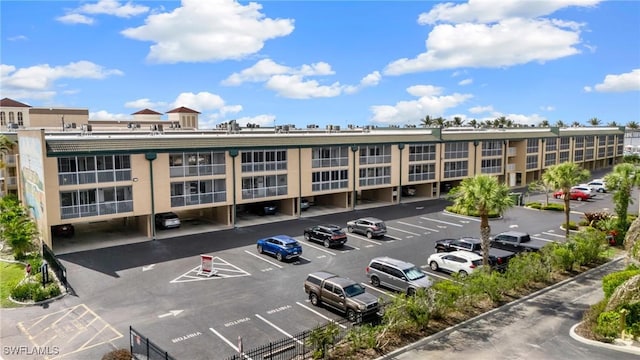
x: 557, y: 196
x: 351, y: 315
x: 369, y: 234
x: 439, y: 250
x: 601, y: 190
x: 307, y: 236
x: 279, y: 256
x: 260, y: 249
x: 579, y: 199
x: 411, y: 291
x: 462, y: 273
x: 327, y: 243
x: 350, y: 229
x: 434, y: 266
x: 375, y: 281
x: 314, y: 299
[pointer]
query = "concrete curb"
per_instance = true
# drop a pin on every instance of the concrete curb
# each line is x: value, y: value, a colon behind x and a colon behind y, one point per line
x: 451, y: 329
x: 623, y: 348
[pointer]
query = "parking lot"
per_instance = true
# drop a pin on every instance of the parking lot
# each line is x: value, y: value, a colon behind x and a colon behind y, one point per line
x: 252, y: 299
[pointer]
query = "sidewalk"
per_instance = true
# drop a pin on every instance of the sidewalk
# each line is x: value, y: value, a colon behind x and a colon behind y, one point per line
x: 539, y: 326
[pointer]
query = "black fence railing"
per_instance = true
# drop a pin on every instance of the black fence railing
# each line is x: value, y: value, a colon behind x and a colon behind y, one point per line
x: 143, y: 349
x: 55, y: 265
x: 295, y: 347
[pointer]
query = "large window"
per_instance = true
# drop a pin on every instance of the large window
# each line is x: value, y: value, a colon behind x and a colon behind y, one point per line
x: 375, y: 176
x: 263, y: 160
x: 551, y: 144
x: 579, y: 141
x: 602, y: 140
x: 588, y: 154
x: 198, y: 192
x: 564, y: 156
x: 564, y: 143
x: 491, y: 166
x: 375, y: 154
x: 549, y: 159
x: 455, y: 169
x: 96, y: 202
x: 91, y: 169
x: 601, y: 151
x: 424, y: 152
x: 254, y: 187
x: 201, y: 163
x: 458, y: 150
x: 329, y: 180
x: 421, y: 172
x: 532, y: 162
x: 329, y: 156
x: 532, y: 145
x: 589, y: 140
x: 491, y: 148
x: 578, y: 155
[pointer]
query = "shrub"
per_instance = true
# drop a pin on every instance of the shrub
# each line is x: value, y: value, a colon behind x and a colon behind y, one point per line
x: 554, y: 207
x: 594, y: 217
x: 608, y: 324
x: 446, y: 294
x: 120, y: 354
x: 22, y: 292
x: 611, y: 281
x: 589, y: 246
x: 562, y: 256
x: 632, y: 318
x: 491, y: 284
x: 460, y: 211
x: 362, y: 337
x: 526, y: 268
x: 534, y: 205
x: 572, y: 225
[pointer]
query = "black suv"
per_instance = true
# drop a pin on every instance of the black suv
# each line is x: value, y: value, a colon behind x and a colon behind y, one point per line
x: 329, y: 235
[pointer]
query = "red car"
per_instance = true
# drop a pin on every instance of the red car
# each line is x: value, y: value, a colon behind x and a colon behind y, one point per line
x: 574, y: 195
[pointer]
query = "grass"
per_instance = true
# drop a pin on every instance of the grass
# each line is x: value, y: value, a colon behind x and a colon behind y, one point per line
x: 10, y: 275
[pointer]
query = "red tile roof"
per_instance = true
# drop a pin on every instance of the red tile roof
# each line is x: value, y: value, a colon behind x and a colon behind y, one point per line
x: 146, y: 112
x: 183, y: 110
x: 6, y: 102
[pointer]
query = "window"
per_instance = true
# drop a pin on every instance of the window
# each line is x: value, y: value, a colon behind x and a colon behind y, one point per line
x: 588, y: 154
x: 375, y: 176
x: 198, y: 192
x: 20, y: 119
x: 11, y: 117
x: 589, y: 140
x: 564, y: 143
x: 602, y: 140
x: 329, y: 180
x: 330, y: 156
x: 549, y: 159
x: 601, y: 151
x: 564, y: 156
x: 492, y: 148
x: 551, y: 144
x: 421, y: 172
x: 254, y: 187
x: 458, y: 150
x: 579, y: 141
x: 375, y: 154
x: 578, y: 155
x: 454, y: 169
x: 532, y: 162
x: 532, y: 145
x: 92, y: 169
x: 424, y: 152
x: 491, y: 166
x: 3, y: 121
x: 96, y: 202
x: 197, y: 164
x: 263, y: 160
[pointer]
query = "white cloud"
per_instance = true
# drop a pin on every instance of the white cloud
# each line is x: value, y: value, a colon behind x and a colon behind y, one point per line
x: 75, y: 18
x: 264, y: 69
x: 105, y: 115
x: 201, y: 101
x: 547, y: 108
x: 481, y: 109
x: 145, y: 104
x: 113, y: 7
x: 494, y: 10
x: 371, y: 79
x: 201, y: 31
x: 618, y: 83
x: 36, y: 81
x: 295, y: 87
x: 17, y: 38
x: 430, y: 102
x: 482, y: 45
x: 465, y: 82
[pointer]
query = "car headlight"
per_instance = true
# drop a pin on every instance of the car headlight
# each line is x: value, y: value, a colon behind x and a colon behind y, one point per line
x: 362, y: 307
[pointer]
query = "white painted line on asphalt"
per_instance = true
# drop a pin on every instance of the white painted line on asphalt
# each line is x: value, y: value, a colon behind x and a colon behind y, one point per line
x: 378, y: 289
x: 263, y: 259
x: 279, y: 329
x: 393, y: 237
x: 319, y: 314
x: 234, y: 347
x: 441, y: 221
x: 364, y: 238
x: 404, y: 231
x: 552, y: 234
x: 470, y: 218
x: 432, y: 273
x: 417, y: 226
x: 320, y: 248
x: 304, y: 258
x: 542, y: 239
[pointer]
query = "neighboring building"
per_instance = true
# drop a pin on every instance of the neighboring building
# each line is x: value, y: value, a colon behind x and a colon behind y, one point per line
x: 105, y: 170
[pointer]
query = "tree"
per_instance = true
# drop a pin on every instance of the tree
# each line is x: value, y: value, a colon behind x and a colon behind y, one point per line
x: 473, y: 122
x: 5, y: 147
x: 632, y: 125
x: 560, y: 124
x: 563, y: 177
x: 621, y: 181
x: 457, y: 121
x: 544, y: 123
x: 594, y: 121
x: 482, y: 195
x: 575, y: 124
x: 16, y: 227
x: 543, y: 187
x: 612, y: 124
x: 427, y: 121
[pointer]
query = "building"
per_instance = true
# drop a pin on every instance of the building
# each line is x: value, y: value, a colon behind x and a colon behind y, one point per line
x: 125, y: 172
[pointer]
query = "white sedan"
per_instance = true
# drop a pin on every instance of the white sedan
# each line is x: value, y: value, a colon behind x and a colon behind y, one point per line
x: 459, y: 262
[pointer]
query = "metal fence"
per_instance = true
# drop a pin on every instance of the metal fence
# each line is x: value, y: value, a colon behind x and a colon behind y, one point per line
x: 143, y: 349
x: 295, y: 347
x: 55, y: 265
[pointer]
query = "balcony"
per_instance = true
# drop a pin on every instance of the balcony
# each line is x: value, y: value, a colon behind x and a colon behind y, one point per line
x: 12, y: 181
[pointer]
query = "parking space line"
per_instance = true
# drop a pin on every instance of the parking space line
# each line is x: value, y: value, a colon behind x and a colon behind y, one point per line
x: 440, y: 221
x: 234, y: 347
x: 320, y: 248
x: 552, y: 234
x: 418, y: 226
x: 404, y: 231
x: 470, y: 218
x: 542, y: 239
x: 364, y: 238
x: 431, y: 273
x: 377, y: 289
x: 393, y: 237
x: 263, y: 259
x: 279, y: 329
x: 322, y: 316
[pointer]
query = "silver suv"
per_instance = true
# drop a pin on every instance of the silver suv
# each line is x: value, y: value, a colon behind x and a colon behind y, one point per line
x: 368, y: 226
x: 397, y: 275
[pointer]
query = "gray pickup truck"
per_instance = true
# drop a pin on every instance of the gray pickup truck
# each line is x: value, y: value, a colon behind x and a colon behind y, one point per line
x: 515, y: 241
x: 342, y: 294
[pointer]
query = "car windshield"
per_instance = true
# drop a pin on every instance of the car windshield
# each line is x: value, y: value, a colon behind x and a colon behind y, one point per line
x: 291, y: 245
x: 353, y: 290
x: 414, y: 273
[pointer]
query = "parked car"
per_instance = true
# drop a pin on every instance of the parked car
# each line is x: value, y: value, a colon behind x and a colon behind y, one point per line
x: 585, y: 189
x: 598, y: 185
x: 397, y: 275
x: 573, y: 195
x: 329, y: 235
x: 304, y: 204
x: 64, y: 230
x: 498, y: 259
x: 461, y: 262
x: 408, y: 190
x: 281, y: 246
x: 262, y: 209
x: 167, y: 220
x: 368, y: 226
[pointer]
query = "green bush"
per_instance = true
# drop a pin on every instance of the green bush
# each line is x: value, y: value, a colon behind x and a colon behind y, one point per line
x: 632, y: 319
x: 362, y: 337
x: 526, y: 268
x: 572, y: 225
x: 456, y: 210
x: 446, y: 295
x: 554, y: 207
x: 484, y: 283
x: 608, y: 324
x: 562, y: 256
x: 534, y: 205
x: 589, y: 246
x: 35, y: 291
x: 22, y: 292
x: 611, y: 281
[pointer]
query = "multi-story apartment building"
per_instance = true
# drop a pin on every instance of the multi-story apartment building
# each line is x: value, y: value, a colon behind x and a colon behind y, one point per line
x: 95, y: 171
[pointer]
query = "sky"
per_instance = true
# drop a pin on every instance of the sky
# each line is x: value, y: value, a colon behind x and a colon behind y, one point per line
x: 325, y: 63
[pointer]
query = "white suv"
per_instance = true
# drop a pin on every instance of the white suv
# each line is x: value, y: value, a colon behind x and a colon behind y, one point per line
x: 598, y: 185
x: 461, y: 262
x: 585, y: 189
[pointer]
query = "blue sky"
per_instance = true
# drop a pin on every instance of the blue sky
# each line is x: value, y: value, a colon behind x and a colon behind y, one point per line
x: 327, y: 62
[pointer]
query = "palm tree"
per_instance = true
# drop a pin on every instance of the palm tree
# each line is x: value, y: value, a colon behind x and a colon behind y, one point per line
x: 560, y: 124
x: 612, y: 124
x: 5, y: 147
x: 427, y: 121
x: 563, y: 177
x: 457, y: 121
x: 544, y: 123
x: 594, y: 121
x: 575, y: 124
x: 632, y: 125
x: 439, y: 121
x: 482, y: 195
x: 473, y: 122
x: 621, y: 181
